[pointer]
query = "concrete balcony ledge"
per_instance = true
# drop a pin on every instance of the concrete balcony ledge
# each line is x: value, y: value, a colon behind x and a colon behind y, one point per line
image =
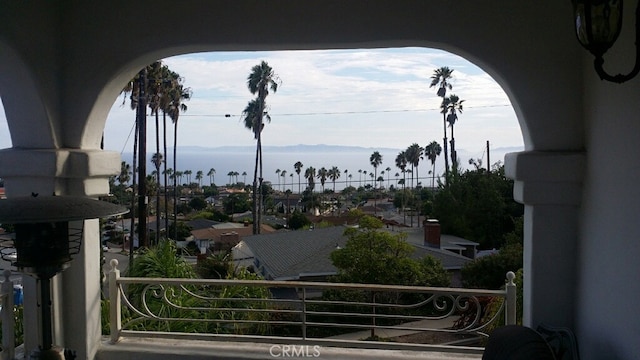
x: 177, y: 349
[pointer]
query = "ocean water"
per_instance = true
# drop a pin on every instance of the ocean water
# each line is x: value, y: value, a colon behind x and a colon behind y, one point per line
x: 352, y: 159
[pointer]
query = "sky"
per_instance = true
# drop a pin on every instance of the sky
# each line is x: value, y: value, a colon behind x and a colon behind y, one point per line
x: 373, y: 98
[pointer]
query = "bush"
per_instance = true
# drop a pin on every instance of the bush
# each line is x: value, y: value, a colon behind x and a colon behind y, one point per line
x: 298, y: 220
x: 488, y: 272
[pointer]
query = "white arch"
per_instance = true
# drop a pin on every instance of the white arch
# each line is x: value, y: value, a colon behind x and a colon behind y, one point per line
x: 28, y: 116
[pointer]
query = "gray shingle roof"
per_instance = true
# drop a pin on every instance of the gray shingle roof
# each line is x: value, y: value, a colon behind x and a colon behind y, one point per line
x: 449, y: 260
x: 287, y: 255
x: 201, y: 224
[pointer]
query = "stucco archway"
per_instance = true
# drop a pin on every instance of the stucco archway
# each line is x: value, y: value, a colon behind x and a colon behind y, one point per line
x: 86, y: 51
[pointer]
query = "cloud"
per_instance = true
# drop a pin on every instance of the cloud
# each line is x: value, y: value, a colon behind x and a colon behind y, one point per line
x: 372, y: 97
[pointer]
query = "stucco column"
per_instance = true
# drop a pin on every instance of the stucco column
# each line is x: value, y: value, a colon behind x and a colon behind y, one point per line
x: 76, y: 291
x: 549, y: 184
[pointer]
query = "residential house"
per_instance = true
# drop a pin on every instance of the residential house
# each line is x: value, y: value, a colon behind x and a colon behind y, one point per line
x: 305, y: 254
x: 224, y: 236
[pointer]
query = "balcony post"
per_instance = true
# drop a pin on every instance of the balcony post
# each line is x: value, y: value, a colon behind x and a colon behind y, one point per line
x: 115, y: 299
x: 8, y: 318
x: 304, y: 313
x: 510, y: 311
x: 549, y: 184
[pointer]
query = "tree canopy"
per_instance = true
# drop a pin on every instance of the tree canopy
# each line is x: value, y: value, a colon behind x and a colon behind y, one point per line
x: 477, y: 205
x: 372, y: 256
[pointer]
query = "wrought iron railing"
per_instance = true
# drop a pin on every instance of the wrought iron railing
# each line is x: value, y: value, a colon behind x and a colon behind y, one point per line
x: 303, y: 312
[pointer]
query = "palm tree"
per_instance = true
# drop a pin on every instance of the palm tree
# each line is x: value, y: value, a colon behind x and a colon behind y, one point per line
x: 168, y: 171
x: 310, y: 174
x: 432, y: 151
x: 359, y: 177
x: 278, y: 176
x: 283, y: 173
x: 288, y: 208
x: 414, y: 154
x: 323, y: 173
x: 199, y: 176
x: 188, y: 173
x: 125, y: 173
x: 346, y: 176
x: 155, y: 90
x: 298, y: 166
x: 451, y: 106
x: 401, y: 163
x: 388, y: 170
x: 253, y: 121
x: 291, y: 176
x: 170, y: 85
x: 441, y: 78
x: 177, y: 95
x: 350, y: 176
x: 260, y: 81
x: 157, y: 160
x: 375, y: 159
x: 137, y: 88
x: 334, y: 174
x: 364, y: 172
x: 212, y: 176
x: 230, y: 175
x: 244, y: 177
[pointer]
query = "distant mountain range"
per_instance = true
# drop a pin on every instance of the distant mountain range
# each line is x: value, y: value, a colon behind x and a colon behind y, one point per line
x: 319, y: 148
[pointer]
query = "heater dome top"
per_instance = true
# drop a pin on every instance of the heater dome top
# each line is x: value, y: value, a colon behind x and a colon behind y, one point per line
x: 37, y: 209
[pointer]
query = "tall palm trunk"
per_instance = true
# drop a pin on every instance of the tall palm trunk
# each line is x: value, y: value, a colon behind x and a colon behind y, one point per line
x: 175, y: 179
x: 261, y: 204
x: 133, y: 193
x: 254, y: 196
x: 404, y: 195
x: 142, y: 162
x: 454, y: 160
x: 157, y: 239
x: 446, y: 159
x: 166, y: 193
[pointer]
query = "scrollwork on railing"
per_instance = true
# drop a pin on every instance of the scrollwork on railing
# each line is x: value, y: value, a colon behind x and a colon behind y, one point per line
x: 245, y: 308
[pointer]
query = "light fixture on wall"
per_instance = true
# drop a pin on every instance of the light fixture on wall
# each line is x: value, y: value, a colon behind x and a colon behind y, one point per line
x: 598, y: 24
x: 45, y: 244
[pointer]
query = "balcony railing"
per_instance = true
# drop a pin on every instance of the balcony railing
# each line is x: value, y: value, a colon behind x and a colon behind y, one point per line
x: 318, y: 313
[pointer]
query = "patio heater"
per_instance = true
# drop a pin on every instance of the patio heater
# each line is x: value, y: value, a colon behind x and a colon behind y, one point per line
x: 45, y: 244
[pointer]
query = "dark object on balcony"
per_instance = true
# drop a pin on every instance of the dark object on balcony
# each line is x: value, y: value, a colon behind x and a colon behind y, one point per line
x: 45, y: 244
x: 561, y: 340
x: 515, y: 342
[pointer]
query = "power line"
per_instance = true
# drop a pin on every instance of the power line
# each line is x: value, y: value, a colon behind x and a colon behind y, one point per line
x: 344, y: 112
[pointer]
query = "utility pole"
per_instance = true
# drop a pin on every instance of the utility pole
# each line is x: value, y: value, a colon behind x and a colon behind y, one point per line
x: 488, y: 161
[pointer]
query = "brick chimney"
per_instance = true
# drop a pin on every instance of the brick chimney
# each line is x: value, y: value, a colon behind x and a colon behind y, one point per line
x: 431, y: 233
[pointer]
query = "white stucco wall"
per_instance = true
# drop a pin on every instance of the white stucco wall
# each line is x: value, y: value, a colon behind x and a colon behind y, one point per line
x: 609, y: 248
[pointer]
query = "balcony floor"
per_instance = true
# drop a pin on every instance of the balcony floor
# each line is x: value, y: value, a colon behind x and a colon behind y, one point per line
x: 174, y: 349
